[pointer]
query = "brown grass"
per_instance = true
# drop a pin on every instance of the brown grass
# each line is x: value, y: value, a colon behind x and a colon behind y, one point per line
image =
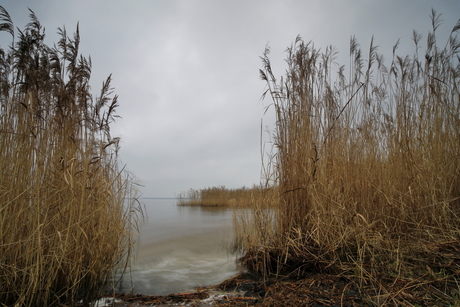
x: 367, y: 168
x: 67, y: 212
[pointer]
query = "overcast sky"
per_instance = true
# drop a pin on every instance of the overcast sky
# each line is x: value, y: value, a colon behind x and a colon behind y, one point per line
x: 186, y: 72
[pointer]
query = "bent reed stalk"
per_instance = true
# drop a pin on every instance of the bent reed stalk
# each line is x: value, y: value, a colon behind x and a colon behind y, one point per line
x: 367, y: 167
x: 67, y: 212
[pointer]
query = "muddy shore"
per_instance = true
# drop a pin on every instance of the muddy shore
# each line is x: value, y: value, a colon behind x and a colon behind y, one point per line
x: 315, y: 290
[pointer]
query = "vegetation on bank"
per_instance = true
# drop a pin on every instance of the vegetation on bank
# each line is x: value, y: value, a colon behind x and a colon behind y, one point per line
x: 220, y: 196
x: 367, y: 166
x: 67, y: 212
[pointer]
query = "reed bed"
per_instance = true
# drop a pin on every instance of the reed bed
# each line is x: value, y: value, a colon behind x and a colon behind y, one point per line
x: 67, y: 212
x: 366, y: 168
x: 220, y: 196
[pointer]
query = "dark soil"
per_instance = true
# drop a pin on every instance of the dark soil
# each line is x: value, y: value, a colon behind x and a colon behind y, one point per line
x: 315, y: 290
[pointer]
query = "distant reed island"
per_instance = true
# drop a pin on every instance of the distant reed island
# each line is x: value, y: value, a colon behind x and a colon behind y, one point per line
x: 221, y: 196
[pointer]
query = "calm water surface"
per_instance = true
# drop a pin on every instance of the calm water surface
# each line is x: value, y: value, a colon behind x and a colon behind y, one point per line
x: 181, y: 248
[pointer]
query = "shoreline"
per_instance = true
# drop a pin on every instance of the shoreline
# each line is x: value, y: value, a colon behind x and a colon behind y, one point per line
x: 315, y: 290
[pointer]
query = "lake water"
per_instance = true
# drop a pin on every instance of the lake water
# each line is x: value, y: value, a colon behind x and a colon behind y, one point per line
x: 181, y: 248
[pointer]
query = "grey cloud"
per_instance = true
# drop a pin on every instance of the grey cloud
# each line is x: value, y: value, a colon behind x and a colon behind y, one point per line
x: 187, y: 71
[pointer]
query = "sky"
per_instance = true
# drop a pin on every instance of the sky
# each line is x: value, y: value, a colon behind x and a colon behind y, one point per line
x: 187, y: 71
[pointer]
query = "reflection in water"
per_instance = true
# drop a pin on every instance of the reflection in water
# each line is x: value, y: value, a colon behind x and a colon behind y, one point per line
x: 181, y: 248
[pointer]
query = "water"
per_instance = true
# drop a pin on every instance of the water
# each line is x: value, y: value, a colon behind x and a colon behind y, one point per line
x: 181, y: 248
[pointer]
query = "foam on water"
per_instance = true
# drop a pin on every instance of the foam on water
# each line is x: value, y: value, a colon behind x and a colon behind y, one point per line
x: 181, y: 248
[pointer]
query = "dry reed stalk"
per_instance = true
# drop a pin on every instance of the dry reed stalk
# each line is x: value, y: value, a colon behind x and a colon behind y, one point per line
x: 65, y: 223
x: 366, y: 167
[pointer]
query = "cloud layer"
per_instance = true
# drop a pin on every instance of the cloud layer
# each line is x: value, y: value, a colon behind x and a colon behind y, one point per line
x: 186, y: 72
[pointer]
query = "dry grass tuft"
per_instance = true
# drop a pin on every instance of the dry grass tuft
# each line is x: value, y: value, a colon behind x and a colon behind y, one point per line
x: 366, y: 168
x: 66, y: 210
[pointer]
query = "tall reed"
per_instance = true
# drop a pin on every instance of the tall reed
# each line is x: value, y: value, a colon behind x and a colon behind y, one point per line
x: 65, y: 224
x: 367, y: 166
